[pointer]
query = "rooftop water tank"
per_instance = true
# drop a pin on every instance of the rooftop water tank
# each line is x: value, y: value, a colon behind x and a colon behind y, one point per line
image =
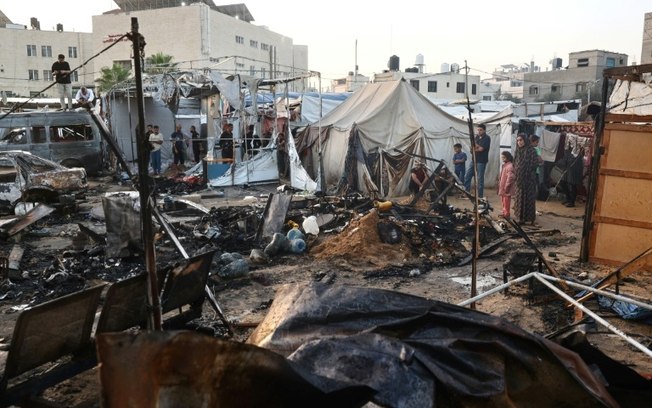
x: 445, y: 67
x: 393, y: 63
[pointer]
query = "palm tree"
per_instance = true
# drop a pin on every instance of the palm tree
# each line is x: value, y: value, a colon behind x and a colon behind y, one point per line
x: 112, y: 76
x: 159, y: 63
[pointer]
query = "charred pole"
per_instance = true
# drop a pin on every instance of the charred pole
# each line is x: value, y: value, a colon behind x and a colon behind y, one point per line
x: 476, y: 241
x: 144, y: 185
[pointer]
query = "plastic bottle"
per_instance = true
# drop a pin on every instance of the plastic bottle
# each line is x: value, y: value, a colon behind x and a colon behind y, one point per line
x: 294, y: 233
x: 297, y: 246
x: 310, y: 225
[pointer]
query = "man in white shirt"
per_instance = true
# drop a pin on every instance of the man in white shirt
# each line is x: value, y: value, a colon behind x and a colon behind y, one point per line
x: 85, y: 98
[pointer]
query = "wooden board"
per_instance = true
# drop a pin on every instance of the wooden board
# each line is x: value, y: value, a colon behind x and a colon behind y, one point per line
x: 622, y: 216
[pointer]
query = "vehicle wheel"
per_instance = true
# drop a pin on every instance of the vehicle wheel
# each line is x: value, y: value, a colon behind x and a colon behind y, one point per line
x: 70, y: 163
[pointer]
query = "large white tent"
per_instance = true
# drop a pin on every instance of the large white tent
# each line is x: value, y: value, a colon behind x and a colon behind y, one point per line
x: 370, y: 141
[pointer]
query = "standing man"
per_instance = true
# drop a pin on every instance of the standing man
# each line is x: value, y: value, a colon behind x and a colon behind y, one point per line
x: 178, y: 148
x: 156, y: 141
x: 61, y: 72
x: 481, y: 146
x: 196, y: 144
x: 226, y: 141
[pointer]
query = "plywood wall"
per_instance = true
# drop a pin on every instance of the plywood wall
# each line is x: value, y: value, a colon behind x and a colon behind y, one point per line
x: 622, y: 220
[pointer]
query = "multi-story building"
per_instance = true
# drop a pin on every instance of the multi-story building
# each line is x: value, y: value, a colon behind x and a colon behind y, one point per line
x: 506, y: 83
x: 27, y: 55
x: 199, y: 35
x: 580, y: 79
x: 646, y: 50
x: 350, y: 83
x: 450, y: 85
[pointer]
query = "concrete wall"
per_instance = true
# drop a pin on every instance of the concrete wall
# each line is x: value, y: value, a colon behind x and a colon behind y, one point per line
x: 646, y: 50
x: 199, y: 37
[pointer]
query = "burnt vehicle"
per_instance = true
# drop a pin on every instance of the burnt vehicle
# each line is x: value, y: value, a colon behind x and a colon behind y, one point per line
x: 72, y: 139
x: 29, y: 178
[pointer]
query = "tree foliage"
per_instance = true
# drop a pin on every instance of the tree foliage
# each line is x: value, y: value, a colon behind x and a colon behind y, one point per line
x: 112, y: 76
x: 160, y: 63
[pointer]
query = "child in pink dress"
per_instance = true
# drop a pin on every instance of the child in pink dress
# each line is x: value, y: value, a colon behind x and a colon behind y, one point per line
x: 506, y: 185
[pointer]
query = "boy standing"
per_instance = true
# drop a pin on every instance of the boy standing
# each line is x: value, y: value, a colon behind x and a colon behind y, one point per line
x: 459, y: 160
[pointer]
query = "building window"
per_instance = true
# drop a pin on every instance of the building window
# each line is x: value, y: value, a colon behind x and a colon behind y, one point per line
x: 46, y: 51
x: 555, y: 88
x: 432, y: 86
x: 486, y: 97
x: 31, y: 50
x: 32, y: 74
x: 239, y: 65
x: 534, y: 90
x: 611, y: 62
x: 74, y: 76
x: 126, y: 64
x: 264, y: 47
x: 47, y: 75
x: 580, y: 87
x: 263, y: 73
x: 515, y: 84
x: 253, y: 44
x: 239, y: 39
x: 582, y: 62
x: 415, y: 83
x: 72, y: 52
x: 252, y: 70
x: 459, y: 87
x: 474, y: 89
x: 448, y: 84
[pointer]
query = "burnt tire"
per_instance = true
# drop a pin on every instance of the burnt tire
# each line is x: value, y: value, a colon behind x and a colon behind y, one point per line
x: 70, y: 163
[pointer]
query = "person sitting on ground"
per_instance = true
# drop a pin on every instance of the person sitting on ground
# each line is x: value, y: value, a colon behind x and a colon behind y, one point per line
x: 418, y: 177
x: 85, y: 98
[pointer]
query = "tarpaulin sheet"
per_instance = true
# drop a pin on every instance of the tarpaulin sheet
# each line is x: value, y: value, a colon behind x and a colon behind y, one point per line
x: 418, y: 352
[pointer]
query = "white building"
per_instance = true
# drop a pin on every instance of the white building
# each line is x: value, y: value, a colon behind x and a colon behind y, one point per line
x: 350, y: 83
x: 439, y: 88
x: 199, y: 35
x: 27, y: 55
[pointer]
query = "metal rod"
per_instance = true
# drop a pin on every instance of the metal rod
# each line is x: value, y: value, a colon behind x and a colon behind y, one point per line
x: 155, y: 317
x: 601, y: 292
x: 597, y: 318
x: 496, y: 289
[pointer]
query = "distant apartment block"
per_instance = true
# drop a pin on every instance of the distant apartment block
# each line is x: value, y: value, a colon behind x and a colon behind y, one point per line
x: 646, y: 51
x: 200, y: 35
x: 27, y: 55
x: 581, y: 78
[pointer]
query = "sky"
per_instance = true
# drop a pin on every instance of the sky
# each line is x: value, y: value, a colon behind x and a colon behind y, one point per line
x: 481, y: 34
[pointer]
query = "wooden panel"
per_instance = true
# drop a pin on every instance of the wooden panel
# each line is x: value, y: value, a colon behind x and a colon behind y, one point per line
x: 620, y: 243
x: 629, y: 151
x: 621, y: 221
x: 626, y: 198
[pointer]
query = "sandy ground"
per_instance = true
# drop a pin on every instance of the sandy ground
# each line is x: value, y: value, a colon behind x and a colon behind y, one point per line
x: 246, y: 300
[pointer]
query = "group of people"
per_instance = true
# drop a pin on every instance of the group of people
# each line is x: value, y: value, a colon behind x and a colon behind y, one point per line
x: 519, y: 178
x: 520, y: 175
x: 61, y: 72
x: 180, y: 143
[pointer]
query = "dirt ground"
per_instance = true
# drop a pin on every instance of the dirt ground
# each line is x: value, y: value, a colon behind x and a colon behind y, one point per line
x: 357, y: 256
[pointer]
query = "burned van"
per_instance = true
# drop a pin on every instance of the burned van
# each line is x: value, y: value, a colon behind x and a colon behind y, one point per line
x: 71, y: 139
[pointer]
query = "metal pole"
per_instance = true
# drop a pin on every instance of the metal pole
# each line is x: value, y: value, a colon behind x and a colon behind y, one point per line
x: 597, y: 318
x: 144, y: 183
x: 476, y: 241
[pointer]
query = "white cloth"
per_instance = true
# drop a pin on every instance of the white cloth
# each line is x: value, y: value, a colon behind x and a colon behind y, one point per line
x: 89, y: 96
x: 577, y: 142
x: 156, y: 137
x: 549, y: 143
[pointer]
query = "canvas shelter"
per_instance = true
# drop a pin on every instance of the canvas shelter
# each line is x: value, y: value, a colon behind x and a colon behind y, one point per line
x: 369, y: 142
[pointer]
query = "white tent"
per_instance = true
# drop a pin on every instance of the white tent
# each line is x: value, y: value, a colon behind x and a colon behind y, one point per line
x: 369, y: 142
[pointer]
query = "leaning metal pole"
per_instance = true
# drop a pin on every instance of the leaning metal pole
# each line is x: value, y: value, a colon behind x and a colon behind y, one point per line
x: 144, y: 186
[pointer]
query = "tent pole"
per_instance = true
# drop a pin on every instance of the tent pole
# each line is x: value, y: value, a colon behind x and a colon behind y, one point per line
x: 322, y: 177
x: 476, y: 241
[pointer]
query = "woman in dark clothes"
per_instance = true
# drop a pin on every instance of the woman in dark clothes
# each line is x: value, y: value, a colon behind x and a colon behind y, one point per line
x: 525, y: 166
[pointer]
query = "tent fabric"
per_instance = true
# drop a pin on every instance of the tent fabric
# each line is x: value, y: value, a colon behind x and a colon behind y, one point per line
x: 375, y: 121
x: 630, y: 98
